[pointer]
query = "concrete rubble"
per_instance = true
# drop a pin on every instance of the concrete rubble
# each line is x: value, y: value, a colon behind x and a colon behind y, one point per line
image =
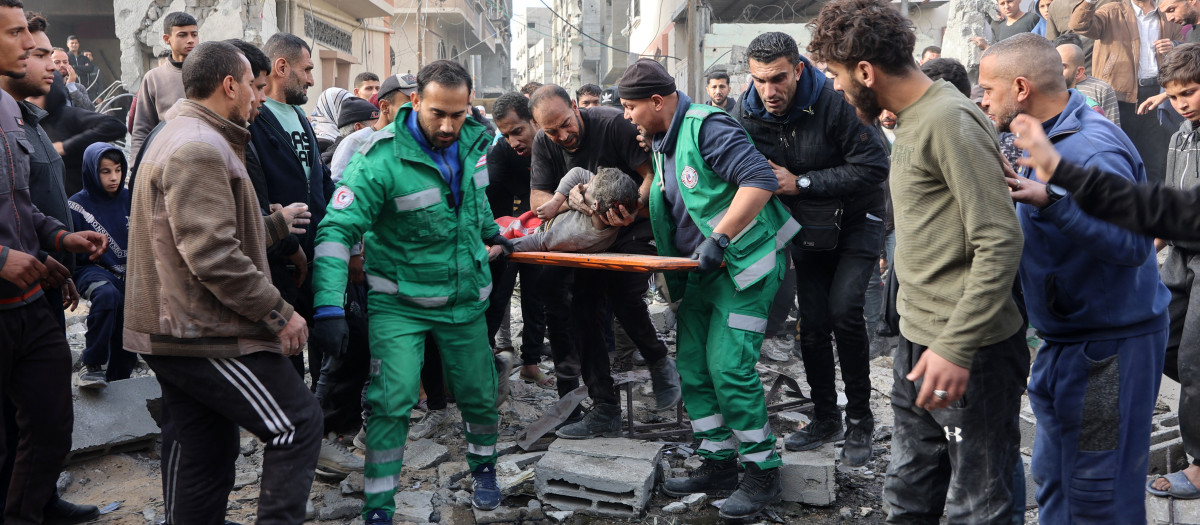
x: 603, y: 477
x: 116, y: 419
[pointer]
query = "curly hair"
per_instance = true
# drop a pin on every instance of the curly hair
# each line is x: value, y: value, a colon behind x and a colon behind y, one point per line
x: 951, y: 71
x: 851, y: 31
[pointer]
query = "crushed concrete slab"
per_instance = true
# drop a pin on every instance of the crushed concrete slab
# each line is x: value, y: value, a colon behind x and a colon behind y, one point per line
x: 504, y: 514
x: 662, y: 317
x: 694, y: 501
x: 414, y: 505
x: 1159, y: 511
x: 119, y: 418
x: 514, y: 480
x: 676, y: 507
x: 340, y: 509
x: 560, y: 516
x: 353, y: 484
x: 450, y: 472
x: 808, y: 476
x: 424, y: 453
x: 604, y: 477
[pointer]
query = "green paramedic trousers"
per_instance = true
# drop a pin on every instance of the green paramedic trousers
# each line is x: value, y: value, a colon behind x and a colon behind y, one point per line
x: 397, y: 354
x: 720, y: 332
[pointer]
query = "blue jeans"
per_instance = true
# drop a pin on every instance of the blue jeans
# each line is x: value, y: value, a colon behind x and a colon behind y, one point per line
x: 1094, y: 401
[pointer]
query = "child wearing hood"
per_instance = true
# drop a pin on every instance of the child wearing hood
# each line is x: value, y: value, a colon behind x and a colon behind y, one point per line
x: 103, y: 206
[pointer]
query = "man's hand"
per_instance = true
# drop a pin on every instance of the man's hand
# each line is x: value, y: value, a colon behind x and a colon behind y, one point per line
x: 787, y: 180
x: 294, y: 335
x: 58, y: 146
x: 619, y: 216
x: 1028, y: 191
x: 56, y: 274
x: 71, y: 76
x: 70, y: 295
x: 576, y: 201
x: 22, y: 269
x: 300, y: 260
x: 1151, y: 103
x: 979, y: 42
x: 1163, y: 46
x: 357, y: 276
x: 88, y: 242
x: 710, y: 254
x: 1030, y: 136
x: 498, y: 245
x: 297, y: 216
x: 642, y: 141
x: 941, y: 375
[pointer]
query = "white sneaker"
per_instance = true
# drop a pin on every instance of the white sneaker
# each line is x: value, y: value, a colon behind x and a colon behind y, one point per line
x: 777, y: 348
x: 433, y: 420
x: 336, y: 460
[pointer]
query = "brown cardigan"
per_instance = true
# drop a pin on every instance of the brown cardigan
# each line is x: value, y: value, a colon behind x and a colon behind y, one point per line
x: 1117, y: 46
x: 198, y: 282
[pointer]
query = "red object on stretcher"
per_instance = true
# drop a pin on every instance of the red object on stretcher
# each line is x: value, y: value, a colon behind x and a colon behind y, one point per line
x: 519, y: 226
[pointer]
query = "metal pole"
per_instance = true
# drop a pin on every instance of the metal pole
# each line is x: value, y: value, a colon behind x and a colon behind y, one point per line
x: 420, y: 36
x: 695, y: 62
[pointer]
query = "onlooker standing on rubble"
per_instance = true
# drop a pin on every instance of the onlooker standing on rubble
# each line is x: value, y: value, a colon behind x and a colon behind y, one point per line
x: 958, y: 245
x: 203, y: 313
x: 1012, y: 21
x: 163, y: 86
x: 78, y: 92
x: 712, y: 199
x: 85, y: 67
x: 830, y: 167
x: 366, y: 85
x: 1093, y: 293
x: 588, y: 95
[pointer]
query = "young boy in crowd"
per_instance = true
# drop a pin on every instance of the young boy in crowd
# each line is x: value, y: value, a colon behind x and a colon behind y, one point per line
x: 575, y: 231
x: 103, y: 206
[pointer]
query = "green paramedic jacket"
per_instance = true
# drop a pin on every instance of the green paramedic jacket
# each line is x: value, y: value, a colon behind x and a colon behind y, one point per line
x: 751, y: 253
x: 418, y: 249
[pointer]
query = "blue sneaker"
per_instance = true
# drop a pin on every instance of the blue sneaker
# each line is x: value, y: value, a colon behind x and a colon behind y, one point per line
x: 378, y: 517
x: 487, y: 492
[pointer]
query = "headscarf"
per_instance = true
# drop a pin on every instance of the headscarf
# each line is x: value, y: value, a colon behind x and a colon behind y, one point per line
x: 325, y: 115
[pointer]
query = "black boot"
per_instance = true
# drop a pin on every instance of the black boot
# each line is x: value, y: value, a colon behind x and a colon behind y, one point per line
x: 856, y: 451
x: 715, y: 478
x: 814, y: 435
x: 603, y: 421
x: 758, y: 489
x: 61, y: 511
x: 665, y: 379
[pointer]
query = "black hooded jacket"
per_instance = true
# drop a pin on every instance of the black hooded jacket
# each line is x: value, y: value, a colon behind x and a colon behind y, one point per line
x: 77, y: 129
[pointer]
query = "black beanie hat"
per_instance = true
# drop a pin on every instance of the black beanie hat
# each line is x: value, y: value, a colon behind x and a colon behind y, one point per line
x: 644, y: 79
x: 355, y: 110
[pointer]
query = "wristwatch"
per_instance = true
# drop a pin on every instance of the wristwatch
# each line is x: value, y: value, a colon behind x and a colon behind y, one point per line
x: 721, y: 239
x: 803, y: 182
x: 1054, y: 193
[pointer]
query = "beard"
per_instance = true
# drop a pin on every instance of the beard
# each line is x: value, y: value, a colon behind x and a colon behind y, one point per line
x: 296, y: 93
x: 437, y: 140
x: 1004, y: 118
x: 25, y: 87
x: 865, y: 102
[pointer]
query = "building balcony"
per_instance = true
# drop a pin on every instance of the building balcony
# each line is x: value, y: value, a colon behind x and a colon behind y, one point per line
x: 365, y: 8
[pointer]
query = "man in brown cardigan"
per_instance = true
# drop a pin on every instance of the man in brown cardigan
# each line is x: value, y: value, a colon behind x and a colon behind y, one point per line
x: 201, y: 309
x: 1131, y: 37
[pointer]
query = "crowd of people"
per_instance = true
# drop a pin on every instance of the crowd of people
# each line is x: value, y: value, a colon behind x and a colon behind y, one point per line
x: 311, y: 278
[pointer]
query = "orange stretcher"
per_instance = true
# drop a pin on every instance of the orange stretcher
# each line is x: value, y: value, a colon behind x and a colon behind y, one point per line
x: 607, y: 261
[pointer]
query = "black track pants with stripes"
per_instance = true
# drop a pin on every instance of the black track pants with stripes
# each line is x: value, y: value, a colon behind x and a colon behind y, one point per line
x: 204, y: 403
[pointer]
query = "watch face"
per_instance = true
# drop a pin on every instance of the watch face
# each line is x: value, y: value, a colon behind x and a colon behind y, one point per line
x: 723, y: 242
x: 804, y: 182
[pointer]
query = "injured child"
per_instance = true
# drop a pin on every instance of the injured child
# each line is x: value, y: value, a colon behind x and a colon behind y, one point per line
x: 574, y: 231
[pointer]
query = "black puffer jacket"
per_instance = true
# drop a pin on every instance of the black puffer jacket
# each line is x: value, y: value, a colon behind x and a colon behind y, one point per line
x: 823, y: 138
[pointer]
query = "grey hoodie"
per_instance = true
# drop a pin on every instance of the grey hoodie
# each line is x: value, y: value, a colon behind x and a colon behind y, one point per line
x: 1183, y: 167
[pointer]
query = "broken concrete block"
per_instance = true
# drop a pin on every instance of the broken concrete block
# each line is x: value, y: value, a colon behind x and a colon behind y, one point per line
x: 514, y: 480
x: 662, y: 316
x: 353, y: 484
x: 507, y: 515
x: 808, y: 476
x: 448, y: 473
x: 560, y: 516
x: 340, y: 509
x: 1159, y: 511
x: 676, y: 507
x: 694, y: 501
x: 414, y: 505
x: 424, y: 453
x: 604, y: 477
x: 119, y: 418
x: 1167, y: 456
x: 521, y: 460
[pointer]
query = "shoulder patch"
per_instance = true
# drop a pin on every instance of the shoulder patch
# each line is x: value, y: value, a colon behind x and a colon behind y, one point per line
x: 342, y: 198
x: 482, y: 161
x: 690, y: 177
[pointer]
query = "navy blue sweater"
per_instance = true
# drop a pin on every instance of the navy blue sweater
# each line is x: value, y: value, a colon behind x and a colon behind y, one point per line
x: 1086, y: 279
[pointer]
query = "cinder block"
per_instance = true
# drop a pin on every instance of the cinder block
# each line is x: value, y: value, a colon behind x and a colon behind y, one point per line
x: 1167, y: 456
x: 119, y: 418
x: 603, y: 477
x: 662, y: 316
x: 808, y: 476
x: 424, y: 453
x: 414, y: 505
x: 1159, y: 511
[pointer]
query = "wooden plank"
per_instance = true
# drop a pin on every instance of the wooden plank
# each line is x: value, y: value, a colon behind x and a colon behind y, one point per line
x: 623, y: 262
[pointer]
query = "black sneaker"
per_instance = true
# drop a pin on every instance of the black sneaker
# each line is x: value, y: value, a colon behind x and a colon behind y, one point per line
x: 92, y: 377
x: 665, y: 380
x: 758, y: 489
x: 62, y: 512
x: 603, y: 421
x: 378, y: 517
x: 715, y: 478
x: 857, y: 449
x: 487, y: 492
x: 814, y: 435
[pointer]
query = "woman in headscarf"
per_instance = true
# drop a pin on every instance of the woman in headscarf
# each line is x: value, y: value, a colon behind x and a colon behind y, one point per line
x: 324, y: 116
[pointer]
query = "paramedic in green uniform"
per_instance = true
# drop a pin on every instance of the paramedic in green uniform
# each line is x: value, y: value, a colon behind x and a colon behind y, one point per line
x: 711, y: 199
x: 415, y: 195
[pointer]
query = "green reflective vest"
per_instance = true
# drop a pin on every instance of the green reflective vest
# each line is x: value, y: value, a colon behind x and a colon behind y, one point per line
x: 751, y: 253
x: 417, y: 247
